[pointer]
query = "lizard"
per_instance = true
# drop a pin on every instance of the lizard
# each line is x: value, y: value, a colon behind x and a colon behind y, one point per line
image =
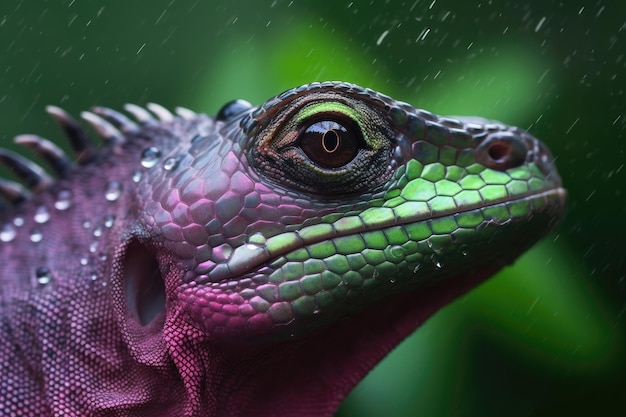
x: 259, y: 262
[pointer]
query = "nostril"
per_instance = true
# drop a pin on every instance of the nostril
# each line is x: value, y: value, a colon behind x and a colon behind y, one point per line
x: 498, y: 151
x: 502, y: 151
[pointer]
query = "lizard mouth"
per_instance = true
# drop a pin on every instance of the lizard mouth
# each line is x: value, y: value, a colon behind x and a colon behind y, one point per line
x: 303, y: 278
x: 253, y: 255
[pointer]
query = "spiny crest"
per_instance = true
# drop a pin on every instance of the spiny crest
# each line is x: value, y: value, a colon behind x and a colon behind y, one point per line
x: 113, y: 127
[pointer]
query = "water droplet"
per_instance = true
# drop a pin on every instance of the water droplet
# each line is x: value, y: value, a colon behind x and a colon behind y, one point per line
x: 63, y: 201
x: 397, y: 253
x: 97, y: 232
x: 137, y: 176
x: 36, y: 236
x: 86, y: 224
x: 109, y: 220
x: 102, y: 257
x: 18, y: 221
x: 94, y: 277
x: 393, y: 280
x: 84, y: 261
x: 436, y: 246
x: 113, y: 191
x: 93, y: 246
x: 150, y: 156
x: 223, y: 252
x: 43, y: 275
x: 437, y: 263
x: 7, y: 232
x: 170, y: 164
x: 41, y: 215
x: 464, y: 249
x: 256, y: 241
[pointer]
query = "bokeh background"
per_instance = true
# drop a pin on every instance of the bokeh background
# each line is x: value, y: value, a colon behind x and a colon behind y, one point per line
x: 543, y: 338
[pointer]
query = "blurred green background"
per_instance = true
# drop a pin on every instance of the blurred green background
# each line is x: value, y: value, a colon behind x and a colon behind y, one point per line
x: 543, y: 338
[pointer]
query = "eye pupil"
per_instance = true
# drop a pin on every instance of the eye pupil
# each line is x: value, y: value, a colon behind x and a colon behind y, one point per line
x: 330, y: 143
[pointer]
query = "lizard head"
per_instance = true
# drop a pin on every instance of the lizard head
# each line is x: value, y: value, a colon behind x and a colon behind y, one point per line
x: 271, y: 222
x: 263, y: 261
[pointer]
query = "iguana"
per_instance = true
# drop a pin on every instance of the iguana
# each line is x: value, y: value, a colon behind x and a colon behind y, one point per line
x: 255, y: 263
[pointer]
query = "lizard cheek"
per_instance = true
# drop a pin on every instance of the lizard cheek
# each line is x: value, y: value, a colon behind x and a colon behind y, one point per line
x: 144, y: 288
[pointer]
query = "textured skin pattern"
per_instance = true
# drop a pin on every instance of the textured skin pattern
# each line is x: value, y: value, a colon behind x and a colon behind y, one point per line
x: 219, y: 267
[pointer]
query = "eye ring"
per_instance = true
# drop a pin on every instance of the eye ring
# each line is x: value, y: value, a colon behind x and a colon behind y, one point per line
x: 336, y: 138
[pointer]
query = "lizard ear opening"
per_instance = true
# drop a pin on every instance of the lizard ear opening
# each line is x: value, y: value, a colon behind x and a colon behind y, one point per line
x: 139, y: 301
x: 144, y: 288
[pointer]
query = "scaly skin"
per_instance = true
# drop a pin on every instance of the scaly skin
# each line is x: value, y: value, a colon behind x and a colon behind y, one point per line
x: 256, y: 263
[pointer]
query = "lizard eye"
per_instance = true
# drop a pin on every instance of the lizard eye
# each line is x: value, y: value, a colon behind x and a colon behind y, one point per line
x: 330, y: 144
x: 320, y: 144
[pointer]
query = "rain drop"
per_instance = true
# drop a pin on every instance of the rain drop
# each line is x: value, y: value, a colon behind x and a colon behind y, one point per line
x: 223, y: 252
x: 36, y: 236
x: 113, y: 191
x: 397, y: 253
x: 86, y: 224
x: 137, y: 176
x: 109, y: 220
x: 97, y: 232
x: 7, y: 232
x: 41, y: 215
x: 436, y: 246
x: 150, y: 156
x: 84, y: 261
x: 93, y: 246
x: 256, y: 241
x: 94, y: 277
x: 63, y: 201
x: 18, y: 221
x: 437, y: 263
x: 43, y: 275
x: 170, y: 164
